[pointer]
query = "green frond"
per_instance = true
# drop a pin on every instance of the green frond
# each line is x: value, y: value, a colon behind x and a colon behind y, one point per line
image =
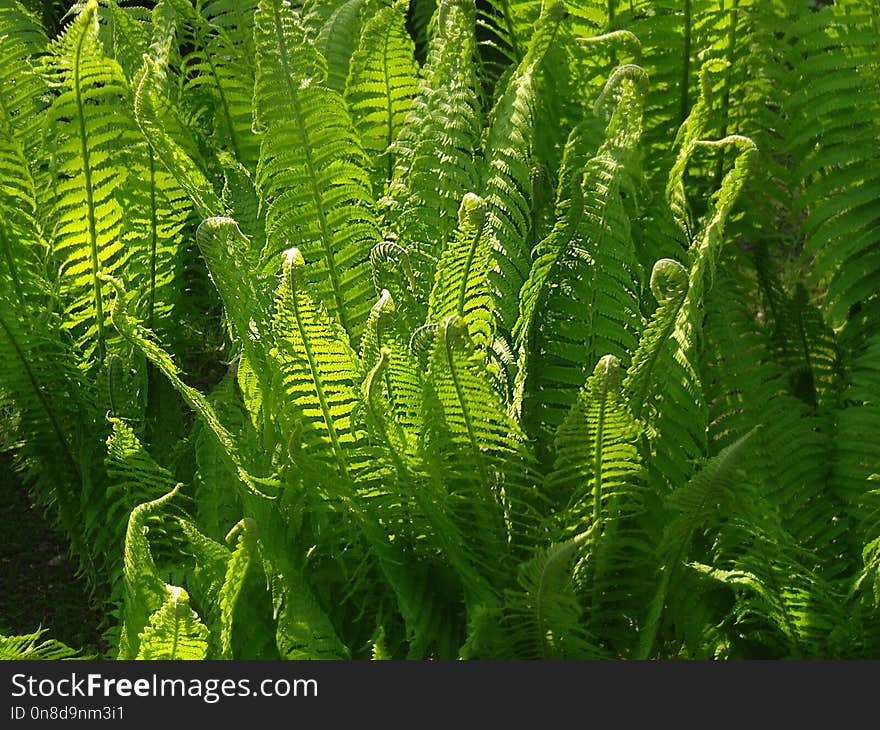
x: 597, y: 466
x: 434, y: 150
x: 154, y: 116
x: 243, y: 199
x: 23, y: 90
x: 780, y: 599
x: 833, y: 143
x: 567, y: 215
x: 695, y: 506
x: 174, y: 632
x: 586, y: 279
x: 232, y: 264
x: 312, y: 171
x: 382, y: 82
x: 244, y: 535
x: 393, y: 271
x: 34, y: 647
x: 403, y: 379
x: 219, y: 500
x: 461, y: 284
x: 340, y: 37
x: 304, y: 630
x: 221, y: 573
x: 141, y: 340
x: 134, y: 478
x: 125, y: 35
x: 544, y: 613
x: 669, y: 285
x: 506, y: 172
x: 145, y: 592
x: 476, y: 452
x: 96, y: 143
x: 598, y: 481
x: 318, y: 368
x: 218, y: 72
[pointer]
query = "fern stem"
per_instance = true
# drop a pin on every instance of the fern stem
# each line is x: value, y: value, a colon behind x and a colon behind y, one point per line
x: 472, y: 252
x: 154, y: 239
x: 725, y: 99
x: 686, y: 63
x: 90, y: 196
x: 389, y: 108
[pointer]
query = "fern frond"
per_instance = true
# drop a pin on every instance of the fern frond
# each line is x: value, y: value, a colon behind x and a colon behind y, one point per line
x: 134, y: 478
x: 675, y: 404
x: 598, y: 481
x: 141, y: 340
x: 312, y: 171
x: 145, y: 592
x: 34, y: 647
x: 403, y: 378
x: 506, y: 172
x: 90, y: 126
x: 148, y: 110
x: 382, y: 82
x: 174, y: 632
x: 23, y: 90
x: 696, y: 506
x: 669, y: 285
x: 544, y: 611
x: 585, y: 280
x: 317, y: 366
x: 597, y: 464
x: 474, y: 449
x: 232, y: 265
x: 221, y: 573
x: 218, y: 72
x: 461, y: 284
x: 339, y: 38
x: 436, y: 144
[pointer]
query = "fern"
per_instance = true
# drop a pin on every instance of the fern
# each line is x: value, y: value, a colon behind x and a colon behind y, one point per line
x: 505, y: 174
x: 696, y: 505
x: 145, y: 592
x: 312, y: 171
x: 174, y: 631
x: 382, y: 82
x: 461, y: 287
x: 585, y: 273
x: 545, y: 610
x: 88, y: 122
x: 32, y: 647
x: 437, y: 143
x: 416, y: 395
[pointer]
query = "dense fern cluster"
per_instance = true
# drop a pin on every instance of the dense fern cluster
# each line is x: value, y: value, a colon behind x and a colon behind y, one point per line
x: 360, y: 328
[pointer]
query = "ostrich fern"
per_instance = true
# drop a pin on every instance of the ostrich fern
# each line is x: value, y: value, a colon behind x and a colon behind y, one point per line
x: 526, y: 330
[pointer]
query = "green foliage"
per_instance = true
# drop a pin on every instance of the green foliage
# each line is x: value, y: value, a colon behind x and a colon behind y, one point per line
x: 366, y: 329
x: 31, y: 647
